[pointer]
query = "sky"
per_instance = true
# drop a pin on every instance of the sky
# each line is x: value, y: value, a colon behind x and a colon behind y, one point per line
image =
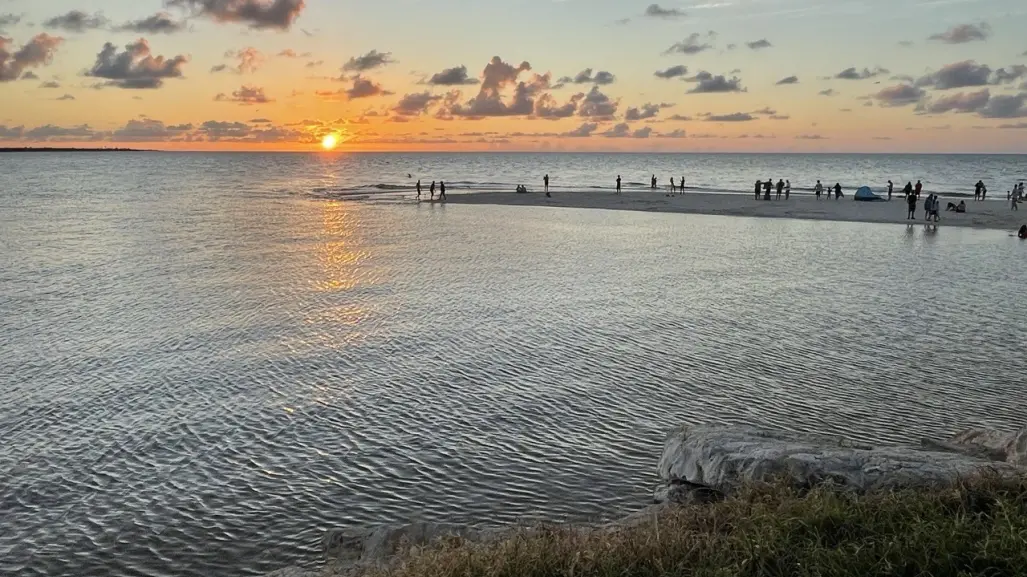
x: 528, y: 75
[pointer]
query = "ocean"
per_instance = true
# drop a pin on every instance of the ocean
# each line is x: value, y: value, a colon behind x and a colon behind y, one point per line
x: 208, y: 359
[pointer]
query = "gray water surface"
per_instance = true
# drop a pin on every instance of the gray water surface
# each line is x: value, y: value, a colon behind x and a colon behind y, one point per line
x: 200, y: 373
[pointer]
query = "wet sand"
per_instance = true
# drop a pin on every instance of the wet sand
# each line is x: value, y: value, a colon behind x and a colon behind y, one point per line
x: 993, y: 214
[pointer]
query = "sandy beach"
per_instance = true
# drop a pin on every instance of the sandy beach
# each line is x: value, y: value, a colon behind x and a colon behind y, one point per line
x: 993, y: 214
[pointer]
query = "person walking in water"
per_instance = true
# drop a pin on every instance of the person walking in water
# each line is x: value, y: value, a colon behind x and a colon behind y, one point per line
x: 418, y: 189
x: 788, y: 189
x: 819, y: 189
x: 837, y: 190
x: 780, y: 188
x: 918, y: 188
x: 682, y: 185
x: 977, y: 190
x: 653, y: 182
x: 442, y: 190
x: 891, y: 186
x: 618, y: 184
x: 432, y: 191
x: 767, y: 186
x: 759, y: 187
x: 672, y: 188
x: 545, y: 181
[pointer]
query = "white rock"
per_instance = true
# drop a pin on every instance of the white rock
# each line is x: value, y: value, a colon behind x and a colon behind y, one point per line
x: 723, y: 458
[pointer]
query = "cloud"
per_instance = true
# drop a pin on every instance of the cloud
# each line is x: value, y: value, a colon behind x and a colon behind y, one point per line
x: 899, y: 95
x: 496, y: 77
x: 759, y: 44
x: 11, y: 133
x: 680, y: 118
x: 35, y: 53
x: 66, y: 97
x: 365, y: 88
x: 1006, y: 106
x: 597, y: 105
x: 968, y: 74
x: 50, y: 84
x: 963, y: 33
x: 779, y: 117
x: 290, y: 53
x: 810, y: 137
x: 9, y: 20
x: 30, y: 75
x: 76, y: 21
x: 733, y: 117
x: 1017, y: 126
x: 959, y: 102
x: 547, y: 107
x: 827, y: 92
x: 647, y: 110
x: 708, y: 83
x: 314, y: 63
x: 260, y: 121
x: 250, y: 60
x: 455, y: 76
x: 247, y: 95
x: 369, y: 61
x: 135, y: 68
x: 1014, y: 73
x: 656, y: 11
x: 601, y: 78
x: 679, y: 133
x: 672, y: 72
x: 622, y: 130
x: 257, y: 14
x: 51, y: 132
x: 852, y: 74
x: 690, y: 45
x: 215, y: 130
x: 159, y: 23
x: 788, y: 80
x: 584, y: 131
x: 149, y: 130
x: 415, y: 104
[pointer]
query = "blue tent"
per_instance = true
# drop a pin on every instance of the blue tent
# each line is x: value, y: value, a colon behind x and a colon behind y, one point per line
x: 865, y: 194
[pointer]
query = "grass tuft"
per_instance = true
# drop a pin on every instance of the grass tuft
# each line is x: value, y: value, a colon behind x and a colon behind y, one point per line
x: 975, y: 528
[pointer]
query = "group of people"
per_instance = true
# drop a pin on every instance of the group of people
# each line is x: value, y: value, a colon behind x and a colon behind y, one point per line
x: 674, y: 187
x: 1015, y: 196
x: 431, y: 191
x: 819, y: 190
x: 783, y: 186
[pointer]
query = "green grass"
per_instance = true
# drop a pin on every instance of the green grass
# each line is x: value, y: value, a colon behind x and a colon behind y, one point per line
x: 975, y: 528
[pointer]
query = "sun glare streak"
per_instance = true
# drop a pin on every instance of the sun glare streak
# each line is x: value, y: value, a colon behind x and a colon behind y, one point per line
x: 329, y: 142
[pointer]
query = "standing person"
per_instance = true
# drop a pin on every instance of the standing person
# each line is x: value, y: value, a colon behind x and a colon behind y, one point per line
x: 936, y: 207
x: 928, y: 204
x: 432, y: 190
x: 1014, y: 201
x: 654, y: 182
x: 788, y: 189
x: 984, y: 191
x: 911, y: 203
x: 545, y: 181
x: 919, y: 188
x: 442, y: 190
x: 780, y: 188
x: 766, y: 189
x: 672, y: 186
x: 682, y: 184
x: 418, y: 189
x: 891, y: 186
x: 837, y: 190
x: 977, y: 190
x: 618, y: 184
x: 759, y: 187
x: 819, y: 189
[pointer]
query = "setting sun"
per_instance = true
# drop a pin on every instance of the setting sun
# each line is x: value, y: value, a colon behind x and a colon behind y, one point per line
x: 329, y: 142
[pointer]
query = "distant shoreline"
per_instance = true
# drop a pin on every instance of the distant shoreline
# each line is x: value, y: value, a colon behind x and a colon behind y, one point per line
x: 50, y: 149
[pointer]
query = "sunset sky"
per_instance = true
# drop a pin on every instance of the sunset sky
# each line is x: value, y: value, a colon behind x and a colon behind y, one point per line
x: 697, y: 75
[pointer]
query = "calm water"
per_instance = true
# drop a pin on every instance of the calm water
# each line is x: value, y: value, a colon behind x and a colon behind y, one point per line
x: 204, y: 363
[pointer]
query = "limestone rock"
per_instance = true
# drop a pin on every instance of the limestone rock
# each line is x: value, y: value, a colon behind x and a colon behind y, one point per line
x: 723, y: 458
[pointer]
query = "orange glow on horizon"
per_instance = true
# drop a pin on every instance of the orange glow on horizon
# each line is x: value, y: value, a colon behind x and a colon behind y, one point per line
x: 329, y: 142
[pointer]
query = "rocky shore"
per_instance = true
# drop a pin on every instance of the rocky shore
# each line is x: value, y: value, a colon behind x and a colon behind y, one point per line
x: 708, y: 462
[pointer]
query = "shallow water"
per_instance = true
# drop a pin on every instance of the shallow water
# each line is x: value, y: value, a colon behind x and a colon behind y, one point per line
x: 203, y: 366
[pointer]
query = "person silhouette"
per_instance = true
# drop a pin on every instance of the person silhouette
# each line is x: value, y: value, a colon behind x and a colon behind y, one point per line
x: 918, y: 188
x: 780, y: 188
x: 618, y: 184
x: 418, y: 188
x: 672, y: 186
x: 432, y: 190
x: 788, y: 189
x: 442, y: 190
x: 769, y: 184
x: 654, y: 182
x: 681, y: 185
x: 759, y: 187
x: 891, y: 186
x: 546, y: 182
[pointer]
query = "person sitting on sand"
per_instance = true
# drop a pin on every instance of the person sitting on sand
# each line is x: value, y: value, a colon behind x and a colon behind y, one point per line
x: 1022, y: 233
x: 819, y: 189
x: 953, y: 207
